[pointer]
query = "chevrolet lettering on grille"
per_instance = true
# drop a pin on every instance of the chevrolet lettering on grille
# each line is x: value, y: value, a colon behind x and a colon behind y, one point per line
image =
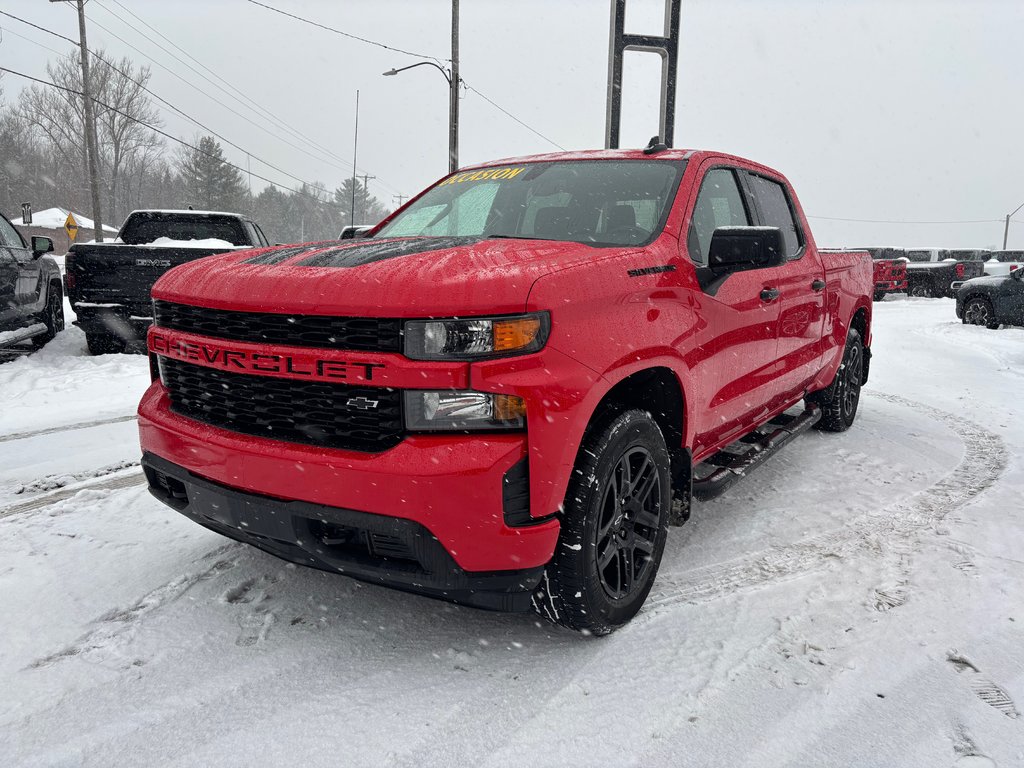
x: 247, y: 361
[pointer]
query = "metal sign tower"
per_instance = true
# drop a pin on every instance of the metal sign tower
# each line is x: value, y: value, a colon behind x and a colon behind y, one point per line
x: 666, y: 46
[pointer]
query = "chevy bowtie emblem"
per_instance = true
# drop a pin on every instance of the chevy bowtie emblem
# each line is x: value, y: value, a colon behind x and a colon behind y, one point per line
x: 362, y: 403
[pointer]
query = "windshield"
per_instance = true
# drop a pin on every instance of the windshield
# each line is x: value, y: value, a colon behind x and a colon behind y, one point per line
x: 142, y: 228
x: 598, y: 202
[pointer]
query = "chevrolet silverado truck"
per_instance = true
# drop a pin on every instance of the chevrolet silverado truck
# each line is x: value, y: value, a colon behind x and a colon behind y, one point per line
x: 31, y: 299
x: 507, y: 394
x: 931, y: 272
x: 109, y: 283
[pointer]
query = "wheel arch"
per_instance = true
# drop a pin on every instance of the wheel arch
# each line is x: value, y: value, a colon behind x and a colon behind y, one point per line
x: 659, y: 390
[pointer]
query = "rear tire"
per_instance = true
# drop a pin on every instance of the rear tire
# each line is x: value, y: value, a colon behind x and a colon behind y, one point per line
x: 979, y: 311
x: 104, y: 344
x: 52, y: 317
x: 879, y: 295
x: 614, y: 526
x: 839, y: 401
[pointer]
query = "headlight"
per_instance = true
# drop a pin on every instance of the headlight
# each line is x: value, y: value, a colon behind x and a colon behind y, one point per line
x: 476, y: 338
x: 459, y: 411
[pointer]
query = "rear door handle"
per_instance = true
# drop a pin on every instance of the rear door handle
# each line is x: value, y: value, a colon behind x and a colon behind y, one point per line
x: 769, y: 294
x: 818, y: 285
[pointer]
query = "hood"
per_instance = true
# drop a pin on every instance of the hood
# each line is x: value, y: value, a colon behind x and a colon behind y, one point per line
x: 988, y: 280
x: 398, y: 277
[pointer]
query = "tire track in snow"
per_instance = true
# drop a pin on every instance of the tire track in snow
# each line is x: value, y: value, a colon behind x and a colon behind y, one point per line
x: 116, y: 483
x: 984, y: 461
x: 67, y: 428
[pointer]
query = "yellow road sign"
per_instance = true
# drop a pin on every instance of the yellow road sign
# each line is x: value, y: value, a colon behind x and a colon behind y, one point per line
x: 71, y: 226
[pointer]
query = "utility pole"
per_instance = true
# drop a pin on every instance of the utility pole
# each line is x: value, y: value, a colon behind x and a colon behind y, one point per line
x: 1006, y: 229
x: 398, y: 200
x: 91, y: 145
x: 453, y: 104
x: 365, y: 194
x: 355, y: 153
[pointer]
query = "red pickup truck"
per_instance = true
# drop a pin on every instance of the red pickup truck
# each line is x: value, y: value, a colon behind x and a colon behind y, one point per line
x: 506, y: 394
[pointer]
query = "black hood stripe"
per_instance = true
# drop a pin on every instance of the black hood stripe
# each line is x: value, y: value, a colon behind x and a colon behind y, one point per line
x: 278, y: 255
x: 367, y: 253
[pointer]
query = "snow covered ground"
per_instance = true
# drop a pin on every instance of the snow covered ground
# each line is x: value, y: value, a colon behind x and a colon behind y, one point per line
x: 857, y: 601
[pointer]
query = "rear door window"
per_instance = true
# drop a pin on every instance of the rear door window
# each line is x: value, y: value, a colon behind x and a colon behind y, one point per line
x: 777, y: 211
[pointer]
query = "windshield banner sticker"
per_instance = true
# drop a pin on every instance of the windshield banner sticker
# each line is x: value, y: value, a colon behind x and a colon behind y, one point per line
x: 490, y: 173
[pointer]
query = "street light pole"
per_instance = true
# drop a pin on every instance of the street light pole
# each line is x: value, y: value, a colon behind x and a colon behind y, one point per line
x: 1006, y: 229
x: 454, y: 81
x: 453, y: 95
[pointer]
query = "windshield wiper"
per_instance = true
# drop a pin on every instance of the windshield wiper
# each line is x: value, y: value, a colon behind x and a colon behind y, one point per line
x: 514, y: 237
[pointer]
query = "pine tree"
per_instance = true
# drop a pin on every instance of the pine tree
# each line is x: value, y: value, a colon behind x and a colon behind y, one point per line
x: 209, y: 182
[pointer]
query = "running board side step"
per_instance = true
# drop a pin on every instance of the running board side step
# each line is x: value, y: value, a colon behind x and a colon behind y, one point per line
x: 762, y: 443
x: 10, y: 338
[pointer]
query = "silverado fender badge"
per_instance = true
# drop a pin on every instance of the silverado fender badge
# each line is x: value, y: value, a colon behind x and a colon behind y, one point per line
x: 362, y: 403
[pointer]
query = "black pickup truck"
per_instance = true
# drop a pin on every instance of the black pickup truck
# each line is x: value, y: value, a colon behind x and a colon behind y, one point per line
x: 31, y: 300
x: 109, y: 283
x: 932, y: 271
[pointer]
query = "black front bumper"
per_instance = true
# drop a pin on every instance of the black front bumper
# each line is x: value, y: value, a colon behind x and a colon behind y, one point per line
x: 383, y: 550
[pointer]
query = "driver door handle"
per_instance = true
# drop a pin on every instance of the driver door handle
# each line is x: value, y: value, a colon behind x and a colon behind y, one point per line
x: 818, y: 285
x: 769, y: 294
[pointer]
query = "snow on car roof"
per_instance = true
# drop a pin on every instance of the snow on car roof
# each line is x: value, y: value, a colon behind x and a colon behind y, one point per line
x: 189, y: 211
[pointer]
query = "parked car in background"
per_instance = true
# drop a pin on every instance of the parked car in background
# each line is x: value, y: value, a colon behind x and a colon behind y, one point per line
x: 31, y: 298
x: 890, y: 270
x: 507, y: 396
x: 992, y: 301
x: 353, y: 231
x: 109, y: 283
x: 1002, y: 263
x: 932, y: 271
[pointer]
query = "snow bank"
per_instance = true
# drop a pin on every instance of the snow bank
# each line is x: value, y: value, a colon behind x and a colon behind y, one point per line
x: 210, y: 242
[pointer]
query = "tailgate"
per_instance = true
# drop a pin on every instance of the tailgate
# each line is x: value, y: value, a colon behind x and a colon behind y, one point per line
x: 965, y: 270
x: 121, y: 276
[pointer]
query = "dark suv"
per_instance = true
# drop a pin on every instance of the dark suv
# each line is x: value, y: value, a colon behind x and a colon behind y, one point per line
x: 31, y: 299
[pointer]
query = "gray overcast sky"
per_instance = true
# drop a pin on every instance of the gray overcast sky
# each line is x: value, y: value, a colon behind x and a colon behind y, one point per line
x: 894, y: 110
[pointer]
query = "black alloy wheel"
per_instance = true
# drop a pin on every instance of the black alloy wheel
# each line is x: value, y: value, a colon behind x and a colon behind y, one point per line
x: 978, y: 311
x: 627, y: 530
x: 840, y: 400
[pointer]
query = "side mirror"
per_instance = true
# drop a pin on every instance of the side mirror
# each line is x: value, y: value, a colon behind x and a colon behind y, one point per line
x: 1017, y: 274
x: 735, y: 249
x: 41, y: 245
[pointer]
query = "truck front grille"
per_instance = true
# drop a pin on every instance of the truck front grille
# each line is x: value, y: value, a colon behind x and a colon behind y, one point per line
x: 368, y: 334
x: 314, y: 413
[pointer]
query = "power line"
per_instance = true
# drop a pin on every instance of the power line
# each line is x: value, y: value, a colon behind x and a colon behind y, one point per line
x: 408, y: 53
x: 41, y: 29
x: 160, y: 132
x: 509, y: 114
x: 248, y: 101
x: 30, y: 40
x: 894, y: 221
x: 345, y: 34
x: 155, y: 96
x: 209, y: 96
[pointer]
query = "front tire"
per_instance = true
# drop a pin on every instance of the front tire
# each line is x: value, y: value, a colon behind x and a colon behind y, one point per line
x: 614, y: 526
x: 979, y: 311
x: 52, y: 317
x: 839, y: 401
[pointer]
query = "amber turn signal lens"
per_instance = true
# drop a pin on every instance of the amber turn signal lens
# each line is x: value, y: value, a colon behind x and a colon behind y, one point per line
x: 515, y: 334
x: 509, y: 408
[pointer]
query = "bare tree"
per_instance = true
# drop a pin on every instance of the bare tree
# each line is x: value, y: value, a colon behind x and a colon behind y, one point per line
x: 123, y: 109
